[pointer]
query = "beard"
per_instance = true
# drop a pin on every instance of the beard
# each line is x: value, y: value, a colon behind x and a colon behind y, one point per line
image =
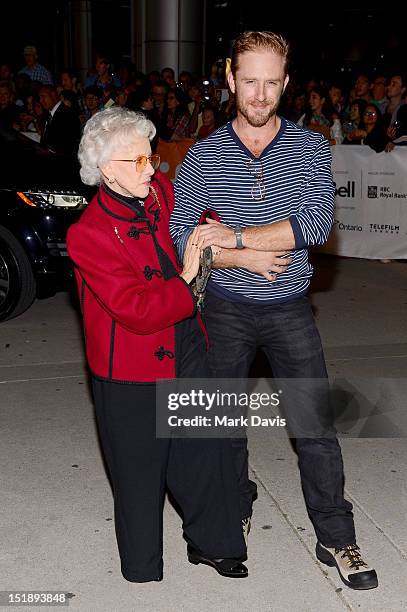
x: 257, y: 113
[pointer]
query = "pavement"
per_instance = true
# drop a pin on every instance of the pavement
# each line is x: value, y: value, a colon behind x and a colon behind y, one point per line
x: 56, y: 511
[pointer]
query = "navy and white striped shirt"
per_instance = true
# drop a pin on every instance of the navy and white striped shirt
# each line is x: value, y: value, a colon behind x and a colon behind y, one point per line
x: 220, y: 173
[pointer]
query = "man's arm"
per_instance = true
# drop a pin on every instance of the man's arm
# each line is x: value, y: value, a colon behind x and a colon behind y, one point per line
x: 191, y: 199
x: 268, y: 264
x: 310, y: 225
x: 278, y: 236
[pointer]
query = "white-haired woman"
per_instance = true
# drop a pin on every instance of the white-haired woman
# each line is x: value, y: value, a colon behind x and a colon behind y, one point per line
x: 141, y: 325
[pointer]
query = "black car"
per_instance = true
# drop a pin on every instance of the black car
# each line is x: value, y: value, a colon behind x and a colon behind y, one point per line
x: 41, y: 195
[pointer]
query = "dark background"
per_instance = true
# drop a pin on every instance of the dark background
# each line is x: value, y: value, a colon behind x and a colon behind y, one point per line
x: 325, y: 41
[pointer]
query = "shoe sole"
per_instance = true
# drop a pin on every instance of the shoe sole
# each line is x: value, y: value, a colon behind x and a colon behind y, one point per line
x: 198, y: 560
x: 325, y: 557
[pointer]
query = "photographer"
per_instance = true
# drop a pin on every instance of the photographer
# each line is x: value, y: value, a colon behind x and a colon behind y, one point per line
x: 202, y: 96
x: 176, y: 117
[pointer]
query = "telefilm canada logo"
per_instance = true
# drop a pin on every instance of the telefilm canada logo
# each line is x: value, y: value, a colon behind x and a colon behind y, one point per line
x: 384, y: 228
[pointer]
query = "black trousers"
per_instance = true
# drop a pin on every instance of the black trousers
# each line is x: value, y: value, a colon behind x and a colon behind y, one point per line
x: 288, y: 335
x: 200, y: 474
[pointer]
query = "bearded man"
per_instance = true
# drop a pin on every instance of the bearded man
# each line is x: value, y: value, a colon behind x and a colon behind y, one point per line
x: 270, y: 183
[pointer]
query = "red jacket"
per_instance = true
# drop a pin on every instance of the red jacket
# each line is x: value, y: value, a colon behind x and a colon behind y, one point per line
x: 130, y: 291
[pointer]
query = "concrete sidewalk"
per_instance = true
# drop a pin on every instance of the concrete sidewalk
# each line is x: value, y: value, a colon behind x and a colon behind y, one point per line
x: 56, y: 511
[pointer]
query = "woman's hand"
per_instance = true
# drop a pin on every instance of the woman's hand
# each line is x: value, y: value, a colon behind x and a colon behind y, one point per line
x: 191, y: 257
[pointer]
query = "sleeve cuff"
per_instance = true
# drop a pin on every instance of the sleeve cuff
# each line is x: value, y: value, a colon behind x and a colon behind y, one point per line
x: 194, y: 300
x: 182, y: 243
x: 300, y: 242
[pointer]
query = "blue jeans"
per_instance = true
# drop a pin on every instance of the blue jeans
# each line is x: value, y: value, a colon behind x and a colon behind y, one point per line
x: 288, y: 336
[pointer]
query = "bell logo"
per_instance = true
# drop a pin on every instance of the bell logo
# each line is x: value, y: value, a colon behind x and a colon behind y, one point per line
x: 346, y: 191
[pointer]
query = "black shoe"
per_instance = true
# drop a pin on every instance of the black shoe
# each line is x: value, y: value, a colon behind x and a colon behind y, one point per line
x: 352, y: 568
x: 230, y: 568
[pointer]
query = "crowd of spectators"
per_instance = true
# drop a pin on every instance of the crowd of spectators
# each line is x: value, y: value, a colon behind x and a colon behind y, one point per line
x: 372, y: 111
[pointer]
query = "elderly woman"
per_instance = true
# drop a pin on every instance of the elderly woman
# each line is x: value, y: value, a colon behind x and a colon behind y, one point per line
x: 141, y: 325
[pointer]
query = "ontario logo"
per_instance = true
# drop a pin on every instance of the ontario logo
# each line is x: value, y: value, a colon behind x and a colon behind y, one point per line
x: 347, y: 227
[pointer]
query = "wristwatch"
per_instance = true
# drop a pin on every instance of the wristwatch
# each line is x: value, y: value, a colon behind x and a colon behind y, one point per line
x: 238, y: 233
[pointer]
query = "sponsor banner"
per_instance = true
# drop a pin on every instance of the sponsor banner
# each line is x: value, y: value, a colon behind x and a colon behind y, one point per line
x: 371, y: 203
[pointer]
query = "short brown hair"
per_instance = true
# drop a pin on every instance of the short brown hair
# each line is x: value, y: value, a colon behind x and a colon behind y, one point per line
x: 252, y: 41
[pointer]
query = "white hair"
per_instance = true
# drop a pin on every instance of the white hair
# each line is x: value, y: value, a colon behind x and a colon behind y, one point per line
x: 105, y: 131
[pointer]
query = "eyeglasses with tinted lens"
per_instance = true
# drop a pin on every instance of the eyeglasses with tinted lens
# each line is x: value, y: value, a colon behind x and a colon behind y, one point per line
x: 256, y: 170
x: 370, y: 113
x: 141, y: 161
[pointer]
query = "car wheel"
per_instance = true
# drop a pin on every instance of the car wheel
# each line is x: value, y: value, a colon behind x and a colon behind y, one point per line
x: 17, y: 283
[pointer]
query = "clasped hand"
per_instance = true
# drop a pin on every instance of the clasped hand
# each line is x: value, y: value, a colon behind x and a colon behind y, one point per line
x: 266, y: 263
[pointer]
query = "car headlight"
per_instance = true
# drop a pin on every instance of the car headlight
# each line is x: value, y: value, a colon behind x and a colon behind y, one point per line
x: 41, y: 199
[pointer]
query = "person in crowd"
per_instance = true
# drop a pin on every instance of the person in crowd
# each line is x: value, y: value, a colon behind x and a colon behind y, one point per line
x: 373, y: 131
x: 93, y: 102
x: 153, y: 77
x: 195, y: 109
x: 335, y: 93
x: 396, y: 89
x: 351, y: 127
x: 23, y: 87
x: 400, y: 129
x: 126, y: 73
x: 9, y: 112
x: 32, y: 117
x: 33, y: 69
x: 62, y: 128
x: 321, y: 117
x: 311, y: 84
x: 270, y: 183
x: 69, y: 82
x: 140, y: 80
x: 217, y: 76
x: 362, y: 88
x: 109, y: 96
x: 227, y: 109
x: 141, y: 100
x: 159, y: 92
x: 103, y: 74
x: 168, y: 75
x: 209, y: 122
x: 349, y: 101
x: 176, y: 118
x: 378, y: 90
x: 122, y: 97
x: 141, y: 325
x: 70, y: 99
x: 185, y: 80
x: 6, y: 73
x: 296, y: 109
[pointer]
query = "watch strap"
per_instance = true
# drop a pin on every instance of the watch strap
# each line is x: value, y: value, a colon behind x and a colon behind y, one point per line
x: 238, y: 233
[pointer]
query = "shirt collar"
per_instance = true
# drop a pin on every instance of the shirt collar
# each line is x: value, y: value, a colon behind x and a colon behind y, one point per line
x: 52, y: 111
x: 127, y: 208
